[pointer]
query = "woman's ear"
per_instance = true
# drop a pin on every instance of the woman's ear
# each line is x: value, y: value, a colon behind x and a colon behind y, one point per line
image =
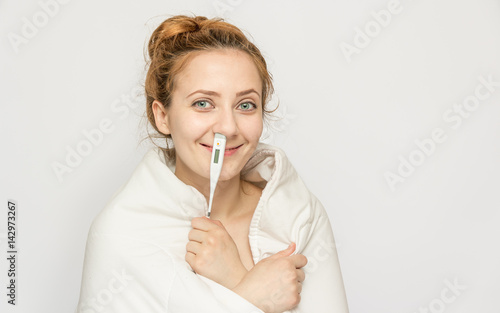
x: 161, y: 119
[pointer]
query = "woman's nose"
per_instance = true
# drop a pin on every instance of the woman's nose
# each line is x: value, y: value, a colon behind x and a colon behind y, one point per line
x: 226, y: 124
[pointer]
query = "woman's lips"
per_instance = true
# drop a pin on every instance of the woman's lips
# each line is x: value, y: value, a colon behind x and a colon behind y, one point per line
x: 227, y: 152
x: 231, y: 151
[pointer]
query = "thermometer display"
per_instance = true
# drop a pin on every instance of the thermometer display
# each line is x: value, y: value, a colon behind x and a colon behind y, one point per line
x: 216, y: 158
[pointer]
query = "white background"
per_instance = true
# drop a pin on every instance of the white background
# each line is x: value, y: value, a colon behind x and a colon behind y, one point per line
x: 345, y: 123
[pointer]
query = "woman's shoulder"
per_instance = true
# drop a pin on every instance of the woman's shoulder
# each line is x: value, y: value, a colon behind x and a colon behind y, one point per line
x: 151, y: 196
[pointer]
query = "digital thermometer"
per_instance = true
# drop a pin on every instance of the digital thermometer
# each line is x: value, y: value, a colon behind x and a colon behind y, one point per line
x: 218, y: 149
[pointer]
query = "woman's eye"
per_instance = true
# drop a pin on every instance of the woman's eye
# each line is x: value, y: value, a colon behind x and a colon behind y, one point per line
x: 201, y: 104
x: 247, y: 106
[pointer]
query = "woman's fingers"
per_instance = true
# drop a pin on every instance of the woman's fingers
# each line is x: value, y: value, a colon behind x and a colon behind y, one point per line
x: 200, y: 223
x: 193, y: 247
x: 299, y: 260
x: 205, y: 224
x: 286, y: 252
x: 197, y: 235
x: 301, y: 276
x: 201, y: 227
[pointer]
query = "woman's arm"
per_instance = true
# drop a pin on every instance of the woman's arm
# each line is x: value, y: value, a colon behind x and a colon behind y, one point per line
x: 273, y: 284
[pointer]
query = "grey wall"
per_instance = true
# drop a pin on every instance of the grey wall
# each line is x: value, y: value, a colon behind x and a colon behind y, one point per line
x: 387, y: 115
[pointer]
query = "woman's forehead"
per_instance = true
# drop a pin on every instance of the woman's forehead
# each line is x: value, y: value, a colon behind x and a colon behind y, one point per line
x: 219, y: 71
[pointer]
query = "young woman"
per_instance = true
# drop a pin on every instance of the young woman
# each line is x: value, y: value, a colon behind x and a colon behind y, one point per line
x: 268, y: 245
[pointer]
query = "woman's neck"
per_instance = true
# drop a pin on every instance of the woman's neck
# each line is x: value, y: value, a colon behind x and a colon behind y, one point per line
x: 228, y: 201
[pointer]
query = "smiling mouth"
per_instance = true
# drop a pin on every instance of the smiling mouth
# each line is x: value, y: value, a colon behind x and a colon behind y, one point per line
x: 228, y: 149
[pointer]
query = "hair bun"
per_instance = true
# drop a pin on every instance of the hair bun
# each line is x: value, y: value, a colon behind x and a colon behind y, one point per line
x: 172, y: 28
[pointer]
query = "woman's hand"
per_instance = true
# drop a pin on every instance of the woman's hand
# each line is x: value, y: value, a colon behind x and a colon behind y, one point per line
x: 212, y: 253
x: 274, y: 284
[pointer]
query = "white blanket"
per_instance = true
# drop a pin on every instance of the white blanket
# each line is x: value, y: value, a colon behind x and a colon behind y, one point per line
x: 134, y: 259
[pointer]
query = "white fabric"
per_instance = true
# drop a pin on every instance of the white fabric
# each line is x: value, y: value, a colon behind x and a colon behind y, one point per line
x: 134, y: 259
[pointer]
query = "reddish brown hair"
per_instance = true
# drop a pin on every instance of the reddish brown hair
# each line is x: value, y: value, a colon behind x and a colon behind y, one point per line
x: 179, y: 38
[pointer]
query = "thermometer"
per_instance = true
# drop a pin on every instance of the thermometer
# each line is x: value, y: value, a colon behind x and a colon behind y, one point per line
x: 218, y: 150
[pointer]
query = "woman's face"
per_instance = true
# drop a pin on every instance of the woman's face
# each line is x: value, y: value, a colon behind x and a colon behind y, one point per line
x: 217, y: 92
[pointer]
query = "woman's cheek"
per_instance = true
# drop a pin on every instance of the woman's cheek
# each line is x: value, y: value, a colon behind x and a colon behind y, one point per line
x: 252, y: 127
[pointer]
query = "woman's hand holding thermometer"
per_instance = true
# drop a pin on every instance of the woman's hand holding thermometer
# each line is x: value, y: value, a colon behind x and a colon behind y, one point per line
x: 218, y: 149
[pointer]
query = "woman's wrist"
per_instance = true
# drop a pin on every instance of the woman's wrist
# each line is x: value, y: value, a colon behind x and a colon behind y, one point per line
x: 242, y: 289
x: 242, y: 292
x: 236, y: 277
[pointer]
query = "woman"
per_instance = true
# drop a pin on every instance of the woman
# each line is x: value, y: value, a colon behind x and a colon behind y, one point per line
x: 268, y: 246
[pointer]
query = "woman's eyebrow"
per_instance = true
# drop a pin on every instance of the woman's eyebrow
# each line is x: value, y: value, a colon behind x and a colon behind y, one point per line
x: 213, y: 93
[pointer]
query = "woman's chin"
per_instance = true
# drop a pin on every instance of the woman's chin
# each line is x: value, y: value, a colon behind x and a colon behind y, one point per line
x: 227, y: 176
